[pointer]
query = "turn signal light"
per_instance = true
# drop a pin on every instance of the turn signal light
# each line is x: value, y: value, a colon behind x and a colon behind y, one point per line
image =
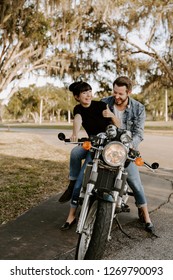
x: 139, y: 161
x: 86, y: 145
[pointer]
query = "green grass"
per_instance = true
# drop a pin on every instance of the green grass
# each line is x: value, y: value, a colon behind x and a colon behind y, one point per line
x: 159, y: 128
x: 69, y: 126
x: 36, y: 126
x: 25, y: 182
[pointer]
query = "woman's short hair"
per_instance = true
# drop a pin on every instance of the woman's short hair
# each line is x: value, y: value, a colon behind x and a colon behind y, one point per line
x: 78, y: 87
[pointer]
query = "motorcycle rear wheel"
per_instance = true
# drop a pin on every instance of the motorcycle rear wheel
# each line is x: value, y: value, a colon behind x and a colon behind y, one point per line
x: 92, y: 241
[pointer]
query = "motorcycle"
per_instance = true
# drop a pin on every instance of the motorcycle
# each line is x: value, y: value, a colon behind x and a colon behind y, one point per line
x: 104, y: 192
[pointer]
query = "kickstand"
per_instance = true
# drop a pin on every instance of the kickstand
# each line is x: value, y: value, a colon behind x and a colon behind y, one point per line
x: 120, y: 227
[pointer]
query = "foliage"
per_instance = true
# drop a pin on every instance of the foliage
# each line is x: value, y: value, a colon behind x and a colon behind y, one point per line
x: 154, y: 101
x: 25, y: 103
x: 96, y: 40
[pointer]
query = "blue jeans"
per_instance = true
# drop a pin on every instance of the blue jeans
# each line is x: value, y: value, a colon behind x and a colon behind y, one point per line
x: 134, y: 182
x: 78, y: 154
x: 76, y: 173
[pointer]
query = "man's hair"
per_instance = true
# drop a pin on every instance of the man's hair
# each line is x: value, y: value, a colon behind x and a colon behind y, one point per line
x: 78, y: 87
x: 123, y: 81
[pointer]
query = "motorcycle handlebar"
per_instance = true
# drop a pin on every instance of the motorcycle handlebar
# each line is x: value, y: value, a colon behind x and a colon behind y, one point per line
x: 133, y: 153
x: 61, y: 137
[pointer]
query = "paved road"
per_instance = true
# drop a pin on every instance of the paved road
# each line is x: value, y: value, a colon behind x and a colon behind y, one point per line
x: 155, y: 147
x: 158, y: 148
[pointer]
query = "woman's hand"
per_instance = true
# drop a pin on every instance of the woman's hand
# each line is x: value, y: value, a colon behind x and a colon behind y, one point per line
x: 73, y: 138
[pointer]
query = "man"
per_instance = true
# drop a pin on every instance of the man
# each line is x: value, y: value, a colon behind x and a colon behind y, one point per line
x: 131, y: 116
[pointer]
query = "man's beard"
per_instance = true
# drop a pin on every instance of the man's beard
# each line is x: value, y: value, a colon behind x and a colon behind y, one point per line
x: 121, y: 102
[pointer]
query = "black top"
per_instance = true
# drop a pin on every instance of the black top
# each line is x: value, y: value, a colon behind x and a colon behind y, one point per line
x: 92, y: 119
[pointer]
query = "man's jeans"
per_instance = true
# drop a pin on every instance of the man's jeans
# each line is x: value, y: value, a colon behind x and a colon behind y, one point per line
x: 134, y: 182
x: 76, y: 173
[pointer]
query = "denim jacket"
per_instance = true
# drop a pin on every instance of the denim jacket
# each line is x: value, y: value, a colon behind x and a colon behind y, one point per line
x: 133, y: 118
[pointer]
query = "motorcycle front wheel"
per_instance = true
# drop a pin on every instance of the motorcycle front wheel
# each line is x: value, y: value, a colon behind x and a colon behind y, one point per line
x: 92, y: 240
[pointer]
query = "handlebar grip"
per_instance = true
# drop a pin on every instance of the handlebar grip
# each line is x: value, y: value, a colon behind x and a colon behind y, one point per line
x: 61, y: 136
x: 66, y: 140
x: 79, y: 140
x: 83, y: 139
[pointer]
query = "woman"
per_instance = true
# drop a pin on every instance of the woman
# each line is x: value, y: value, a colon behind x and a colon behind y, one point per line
x: 89, y: 114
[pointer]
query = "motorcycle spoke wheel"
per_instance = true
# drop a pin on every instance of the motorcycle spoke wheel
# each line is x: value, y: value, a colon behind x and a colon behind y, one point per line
x: 92, y: 241
x: 100, y: 233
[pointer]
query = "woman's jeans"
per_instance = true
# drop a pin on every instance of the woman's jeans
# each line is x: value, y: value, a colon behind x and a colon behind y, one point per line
x: 77, y: 170
x: 76, y: 173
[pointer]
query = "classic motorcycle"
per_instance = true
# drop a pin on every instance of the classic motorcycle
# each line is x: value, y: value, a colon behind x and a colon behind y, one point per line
x: 104, y: 192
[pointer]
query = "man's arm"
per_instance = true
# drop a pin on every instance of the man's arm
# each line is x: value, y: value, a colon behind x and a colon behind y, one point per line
x: 76, y: 127
x: 138, y: 128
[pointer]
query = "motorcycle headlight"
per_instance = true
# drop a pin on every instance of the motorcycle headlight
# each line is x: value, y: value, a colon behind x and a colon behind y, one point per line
x: 114, y: 154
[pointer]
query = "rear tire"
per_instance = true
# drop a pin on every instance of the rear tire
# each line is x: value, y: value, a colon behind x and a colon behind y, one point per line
x: 92, y: 241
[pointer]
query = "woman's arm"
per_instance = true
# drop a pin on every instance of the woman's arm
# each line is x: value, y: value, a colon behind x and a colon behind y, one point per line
x: 76, y: 127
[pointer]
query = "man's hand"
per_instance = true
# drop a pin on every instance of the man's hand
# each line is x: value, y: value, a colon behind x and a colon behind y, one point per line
x: 108, y: 114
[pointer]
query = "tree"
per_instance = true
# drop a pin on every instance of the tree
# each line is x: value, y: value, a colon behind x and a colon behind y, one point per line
x: 31, y: 42
x: 25, y: 103
x: 138, y: 28
x: 23, y: 41
x: 92, y: 39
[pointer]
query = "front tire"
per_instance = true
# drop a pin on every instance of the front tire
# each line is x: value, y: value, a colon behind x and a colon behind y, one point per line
x: 92, y: 240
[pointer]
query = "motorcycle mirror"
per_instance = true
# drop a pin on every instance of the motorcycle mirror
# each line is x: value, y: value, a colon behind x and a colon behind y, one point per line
x: 61, y: 136
x: 154, y: 165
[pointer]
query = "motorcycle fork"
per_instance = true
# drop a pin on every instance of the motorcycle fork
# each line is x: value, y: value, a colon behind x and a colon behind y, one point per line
x: 85, y: 207
x: 121, y: 188
x: 89, y: 189
x: 115, y: 196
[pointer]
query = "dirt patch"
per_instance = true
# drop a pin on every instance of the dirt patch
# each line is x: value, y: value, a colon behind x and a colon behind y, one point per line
x: 30, y: 171
x: 29, y: 145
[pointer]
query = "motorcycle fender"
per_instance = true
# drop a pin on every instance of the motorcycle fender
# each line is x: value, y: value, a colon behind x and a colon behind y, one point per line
x: 107, y: 197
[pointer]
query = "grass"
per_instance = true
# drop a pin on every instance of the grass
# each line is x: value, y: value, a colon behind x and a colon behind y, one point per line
x: 65, y: 126
x: 159, y: 128
x: 30, y: 172
x: 36, y: 126
x: 26, y: 182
